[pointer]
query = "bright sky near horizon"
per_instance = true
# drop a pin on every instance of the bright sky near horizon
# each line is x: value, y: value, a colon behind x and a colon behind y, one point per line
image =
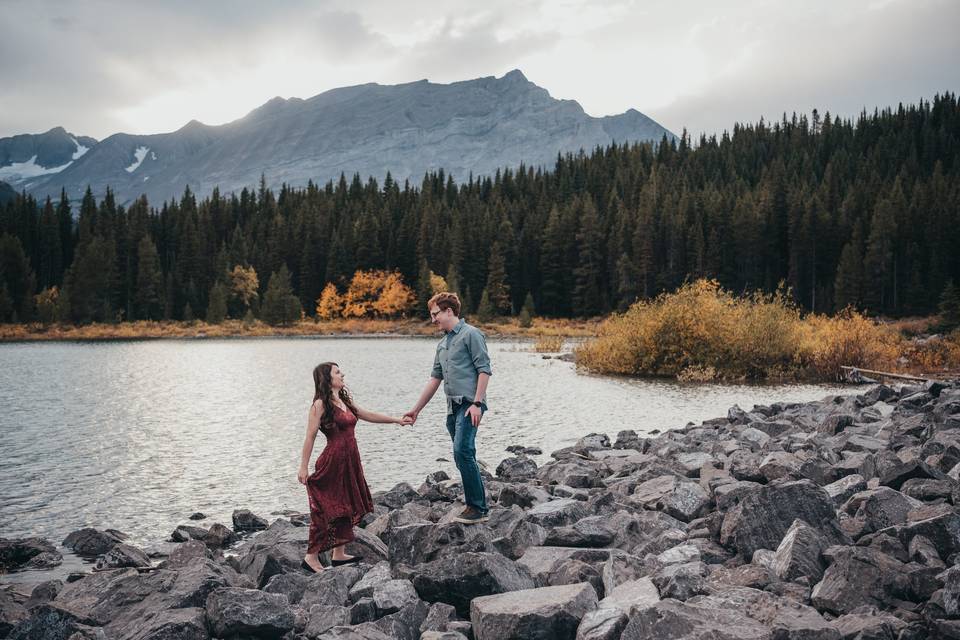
x: 101, y: 66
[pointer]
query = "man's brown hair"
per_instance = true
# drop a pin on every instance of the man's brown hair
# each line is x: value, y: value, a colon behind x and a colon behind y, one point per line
x: 446, y: 300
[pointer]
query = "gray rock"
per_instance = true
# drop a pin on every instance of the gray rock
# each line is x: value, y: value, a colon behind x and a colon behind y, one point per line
x: 331, y: 586
x: 517, y: 468
x: 842, y: 490
x: 685, y: 621
x: 363, y: 610
x: 682, y: 581
x: 398, y: 496
x: 442, y: 635
x: 245, y: 520
x: 588, y: 532
x: 557, y: 513
x: 870, y: 625
x: 403, y: 624
x: 547, y: 613
x: 123, y: 555
x: 92, y: 542
x: 780, y: 464
x: 393, y: 595
x: 763, y: 516
x: 459, y: 579
x: 219, y: 536
x: 631, y: 597
x: 879, y: 508
x: 799, y: 553
x: 951, y: 591
x: 323, y: 617
x: 291, y: 585
x: 682, y: 499
x: 235, y: 611
x: 602, y: 624
x: 186, y: 532
x: 783, y: 617
x: 540, y: 562
x: 364, y: 587
x: 438, y: 616
x: 522, y: 495
x: 52, y: 622
x: 27, y: 552
x: 185, y: 553
x: 859, y: 576
x: 593, y: 441
x: 43, y: 592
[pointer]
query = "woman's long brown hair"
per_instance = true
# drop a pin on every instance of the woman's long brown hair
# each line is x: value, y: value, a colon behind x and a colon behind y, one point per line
x: 323, y: 390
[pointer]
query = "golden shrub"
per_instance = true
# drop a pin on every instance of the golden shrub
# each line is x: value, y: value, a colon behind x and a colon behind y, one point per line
x: 847, y: 339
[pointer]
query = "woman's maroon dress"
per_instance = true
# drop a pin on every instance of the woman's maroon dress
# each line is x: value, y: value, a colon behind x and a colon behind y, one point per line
x: 338, y: 493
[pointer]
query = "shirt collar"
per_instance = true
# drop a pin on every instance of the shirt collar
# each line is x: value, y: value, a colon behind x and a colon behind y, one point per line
x: 456, y: 328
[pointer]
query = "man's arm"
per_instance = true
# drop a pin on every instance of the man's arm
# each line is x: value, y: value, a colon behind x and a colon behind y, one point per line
x: 474, y: 411
x: 428, y: 390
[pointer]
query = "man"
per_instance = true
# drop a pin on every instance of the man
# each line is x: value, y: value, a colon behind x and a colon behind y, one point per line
x: 463, y: 365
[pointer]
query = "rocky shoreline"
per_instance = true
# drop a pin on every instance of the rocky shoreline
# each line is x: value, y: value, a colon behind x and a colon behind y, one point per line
x: 828, y: 520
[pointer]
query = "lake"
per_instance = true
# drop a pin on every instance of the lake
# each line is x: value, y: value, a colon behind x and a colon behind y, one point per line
x: 137, y: 435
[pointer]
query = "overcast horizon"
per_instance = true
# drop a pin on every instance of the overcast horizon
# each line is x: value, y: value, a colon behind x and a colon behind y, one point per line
x: 95, y: 69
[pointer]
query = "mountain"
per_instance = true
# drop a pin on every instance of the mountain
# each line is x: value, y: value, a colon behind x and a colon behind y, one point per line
x: 29, y: 156
x: 473, y: 126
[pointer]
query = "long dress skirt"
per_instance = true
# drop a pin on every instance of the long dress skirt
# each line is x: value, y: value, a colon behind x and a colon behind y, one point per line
x: 337, y: 491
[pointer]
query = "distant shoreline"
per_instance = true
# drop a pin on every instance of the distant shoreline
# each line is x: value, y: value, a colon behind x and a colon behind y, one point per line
x: 354, y: 328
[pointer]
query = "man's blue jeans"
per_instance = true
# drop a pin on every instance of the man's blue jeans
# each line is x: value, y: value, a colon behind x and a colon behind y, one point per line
x: 464, y: 434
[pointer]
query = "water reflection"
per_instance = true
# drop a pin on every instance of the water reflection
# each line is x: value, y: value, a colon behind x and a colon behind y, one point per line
x: 138, y: 435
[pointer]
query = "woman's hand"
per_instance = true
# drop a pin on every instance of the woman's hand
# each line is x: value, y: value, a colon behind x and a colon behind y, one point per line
x: 403, y: 421
x: 302, y: 475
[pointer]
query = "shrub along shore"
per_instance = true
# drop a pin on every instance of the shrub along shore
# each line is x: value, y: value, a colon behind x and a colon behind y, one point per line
x: 825, y: 520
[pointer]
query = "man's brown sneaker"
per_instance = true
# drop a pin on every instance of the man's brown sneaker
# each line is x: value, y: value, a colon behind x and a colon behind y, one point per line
x: 471, y: 516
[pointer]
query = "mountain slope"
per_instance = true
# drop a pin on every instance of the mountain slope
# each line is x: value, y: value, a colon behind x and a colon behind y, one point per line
x: 473, y: 126
x: 27, y: 156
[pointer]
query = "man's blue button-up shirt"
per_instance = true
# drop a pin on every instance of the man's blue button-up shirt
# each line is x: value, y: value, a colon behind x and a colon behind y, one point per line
x: 461, y: 358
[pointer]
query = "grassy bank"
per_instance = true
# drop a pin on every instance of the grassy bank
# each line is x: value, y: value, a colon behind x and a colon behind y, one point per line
x: 238, y: 329
x: 703, y: 332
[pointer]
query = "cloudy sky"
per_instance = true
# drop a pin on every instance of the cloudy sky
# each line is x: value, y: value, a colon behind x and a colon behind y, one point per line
x: 99, y: 67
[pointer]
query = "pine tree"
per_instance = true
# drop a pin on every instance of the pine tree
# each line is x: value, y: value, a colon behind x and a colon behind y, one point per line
x: 497, y: 288
x: 217, y: 305
x: 527, y: 311
x: 18, y: 278
x: 485, y: 311
x: 424, y: 289
x: 588, y: 297
x: 280, y: 306
x: 949, y: 306
x: 148, y: 295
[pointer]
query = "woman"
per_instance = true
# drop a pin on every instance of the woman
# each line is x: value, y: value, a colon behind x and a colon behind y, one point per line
x: 337, y: 491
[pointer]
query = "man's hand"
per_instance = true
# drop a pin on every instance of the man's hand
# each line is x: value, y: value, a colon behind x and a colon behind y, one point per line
x: 475, y: 415
x: 406, y: 421
x: 411, y: 416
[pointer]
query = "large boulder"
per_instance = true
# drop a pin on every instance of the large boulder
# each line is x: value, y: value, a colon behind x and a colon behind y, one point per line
x: 799, y: 553
x: 541, y: 562
x: 123, y: 555
x: 279, y: 549
x: 234, y: 611
x: 518, y: 468
x: 393, y: 595
x: 588, y: 532
x: 688, y: 621
x: 425, y: 542
x: 683, y: 499
x: 92, y: 542
x: 546, y: 613
x: 783, y: 617
x: 51, y: 622
x: 27, y: 553
x: 331, y: 586
x: 398, y: 496
x: 763, y: 516
x: 557, y: 513
x: 459, y: 579
x: 246, y: 520
x: 859, y: 576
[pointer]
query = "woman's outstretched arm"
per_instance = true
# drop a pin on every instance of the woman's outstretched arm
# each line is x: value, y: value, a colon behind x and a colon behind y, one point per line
x: 313, y: 425
x: 373, y: 416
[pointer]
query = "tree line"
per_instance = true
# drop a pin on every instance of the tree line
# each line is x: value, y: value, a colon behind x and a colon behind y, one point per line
x: 861, y: 212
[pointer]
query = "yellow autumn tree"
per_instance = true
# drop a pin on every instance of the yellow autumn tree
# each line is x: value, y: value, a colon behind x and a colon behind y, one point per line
x: 330, y: 303
x: 244, y: 285
x: 376, y: 292
x: 395, y: 298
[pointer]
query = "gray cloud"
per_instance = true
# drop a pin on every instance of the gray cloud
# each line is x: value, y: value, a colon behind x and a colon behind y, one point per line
x: 87, y: 66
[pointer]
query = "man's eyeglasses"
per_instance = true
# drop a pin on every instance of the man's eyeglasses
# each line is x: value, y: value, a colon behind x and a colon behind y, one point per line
x: 434, y: 314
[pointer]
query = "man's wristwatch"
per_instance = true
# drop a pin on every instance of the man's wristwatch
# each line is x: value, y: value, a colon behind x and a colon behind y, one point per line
x: 477, y: 403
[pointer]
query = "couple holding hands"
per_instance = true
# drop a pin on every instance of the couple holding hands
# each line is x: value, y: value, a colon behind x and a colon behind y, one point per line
x: 337, y: 491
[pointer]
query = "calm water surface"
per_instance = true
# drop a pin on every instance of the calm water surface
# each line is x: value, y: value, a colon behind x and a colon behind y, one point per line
x: 138, y: 435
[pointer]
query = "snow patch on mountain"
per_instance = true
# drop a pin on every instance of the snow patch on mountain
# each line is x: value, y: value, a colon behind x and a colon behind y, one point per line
x: 139, y: 154
x: 19, y: 171
x: 80, y: 149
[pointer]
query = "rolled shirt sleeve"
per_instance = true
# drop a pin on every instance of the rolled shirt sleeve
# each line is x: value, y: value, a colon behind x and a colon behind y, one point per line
x: 478, y: 351
x: 437, y: 369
